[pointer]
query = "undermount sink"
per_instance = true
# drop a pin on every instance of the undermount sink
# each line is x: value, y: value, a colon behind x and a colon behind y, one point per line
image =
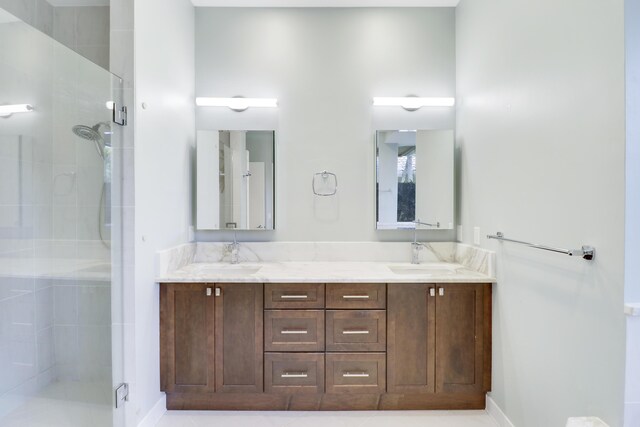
x: 422, y: 269
x: 236, y: 270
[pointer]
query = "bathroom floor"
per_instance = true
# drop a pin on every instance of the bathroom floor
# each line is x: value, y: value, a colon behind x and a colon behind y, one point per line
x: 323, y: 419
x: 60, y: 404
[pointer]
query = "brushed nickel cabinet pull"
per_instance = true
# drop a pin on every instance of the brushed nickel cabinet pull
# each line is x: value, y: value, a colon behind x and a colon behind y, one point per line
x: 432, y: 292
x: 355, y: 375
x: 294, y: 331
x: 294, y: 296
x: 218, y: 292
x: 441, y: 292
x: 355, y: 296
x: 355, y: 332
x: 209, y: 293
x: 294, y: 375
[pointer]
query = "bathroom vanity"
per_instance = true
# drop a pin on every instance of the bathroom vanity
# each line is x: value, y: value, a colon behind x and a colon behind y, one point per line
x: 325, y: 336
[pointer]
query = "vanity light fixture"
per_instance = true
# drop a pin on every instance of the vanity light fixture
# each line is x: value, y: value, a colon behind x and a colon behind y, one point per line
x: 237, y: 103
x: 413, y: 103
x: 8, y: 110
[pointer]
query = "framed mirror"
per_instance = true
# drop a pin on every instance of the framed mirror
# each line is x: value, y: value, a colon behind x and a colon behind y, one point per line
x: 414, y: 179
x: 235, y: 180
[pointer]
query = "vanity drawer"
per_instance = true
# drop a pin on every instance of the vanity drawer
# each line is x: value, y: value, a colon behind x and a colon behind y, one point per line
x: 356, y: 373
x: 294, y: 295
x: 356, y: 330
x: 356, y: 295
x: 294, y: 373
x: 294, y: 330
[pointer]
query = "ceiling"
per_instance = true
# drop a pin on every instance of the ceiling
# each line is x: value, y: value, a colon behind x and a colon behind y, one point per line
x: 58, y: 3
x: 326, y: 3
x: 285, y: 3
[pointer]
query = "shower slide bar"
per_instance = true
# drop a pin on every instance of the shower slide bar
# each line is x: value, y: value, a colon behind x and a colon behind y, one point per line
x: 586, y: 252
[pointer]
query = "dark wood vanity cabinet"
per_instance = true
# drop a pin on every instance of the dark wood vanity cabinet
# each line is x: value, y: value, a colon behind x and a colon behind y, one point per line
x: 439, y: 338
x: 248, y: 346
x: 187, y: 338
x: 211, y: 338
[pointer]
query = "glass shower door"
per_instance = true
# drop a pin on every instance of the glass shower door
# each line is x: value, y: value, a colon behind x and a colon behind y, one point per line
x: 61, y: 314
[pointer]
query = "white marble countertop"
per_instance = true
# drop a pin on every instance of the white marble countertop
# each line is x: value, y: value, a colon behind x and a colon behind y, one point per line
x: 324, y: 272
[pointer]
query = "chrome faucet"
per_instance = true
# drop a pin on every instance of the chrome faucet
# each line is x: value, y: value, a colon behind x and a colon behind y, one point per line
x: 415, y: 252
x: 416, y: 246
x: 233, y: 249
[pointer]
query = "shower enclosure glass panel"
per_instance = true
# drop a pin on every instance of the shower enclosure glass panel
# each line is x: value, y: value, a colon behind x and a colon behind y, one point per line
x: 60, y: 259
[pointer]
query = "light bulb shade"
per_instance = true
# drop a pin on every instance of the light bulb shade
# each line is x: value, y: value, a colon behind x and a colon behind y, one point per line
x: 413, y: 102
x: 237, y: 104
x: 7, y: 110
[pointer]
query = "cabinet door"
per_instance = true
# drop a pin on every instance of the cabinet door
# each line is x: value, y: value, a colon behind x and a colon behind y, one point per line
x: 187, y: 355
x: 459, y: 338
x: 410, y: 338
x: 239, y: 338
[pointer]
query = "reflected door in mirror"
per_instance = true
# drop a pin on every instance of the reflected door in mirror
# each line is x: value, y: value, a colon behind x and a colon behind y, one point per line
x: 235, y: 180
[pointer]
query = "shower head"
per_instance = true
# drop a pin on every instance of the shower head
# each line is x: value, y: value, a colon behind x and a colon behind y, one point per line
x: 92, y: 134
x: 86, y: 132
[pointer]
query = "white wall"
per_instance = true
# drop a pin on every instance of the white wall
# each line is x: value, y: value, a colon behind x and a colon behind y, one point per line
x: 632, y: 250
x: 164, y: 145
x: 632, y: 234
x: 542, y: 139
x: 325, y: 66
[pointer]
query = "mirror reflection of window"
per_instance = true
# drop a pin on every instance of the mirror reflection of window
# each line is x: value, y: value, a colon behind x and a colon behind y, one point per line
x: 414, y: 171
x: 407, y: 183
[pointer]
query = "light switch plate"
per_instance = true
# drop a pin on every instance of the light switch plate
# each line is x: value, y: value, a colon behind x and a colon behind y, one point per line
x: 476, y: 235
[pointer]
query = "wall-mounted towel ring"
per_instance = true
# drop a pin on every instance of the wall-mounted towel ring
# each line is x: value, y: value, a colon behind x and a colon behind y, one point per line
x: 324, y: 184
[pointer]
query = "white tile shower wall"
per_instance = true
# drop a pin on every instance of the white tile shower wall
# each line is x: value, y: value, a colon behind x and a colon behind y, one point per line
x: 527, y: 129
x: 37, y: 13
x: 82, y: 322
x: 43, y: 202
x: 85, y: 29
x: 325, y: 65
x: 25, y: 332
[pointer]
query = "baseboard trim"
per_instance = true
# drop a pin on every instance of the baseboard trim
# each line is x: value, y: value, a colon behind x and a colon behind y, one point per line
x: 496, y: 413
x: 153, y: 416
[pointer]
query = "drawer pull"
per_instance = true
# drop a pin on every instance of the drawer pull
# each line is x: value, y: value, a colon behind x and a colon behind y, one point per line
x: 294, y: 331
x: 355, y: 375
x: 294, y: 296
x: 356, y: 332
x: 355, y: 296
x: 294, y: 375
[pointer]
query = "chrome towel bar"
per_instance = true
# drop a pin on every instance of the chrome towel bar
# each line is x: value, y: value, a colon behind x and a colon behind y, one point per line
x: 586, y: 252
